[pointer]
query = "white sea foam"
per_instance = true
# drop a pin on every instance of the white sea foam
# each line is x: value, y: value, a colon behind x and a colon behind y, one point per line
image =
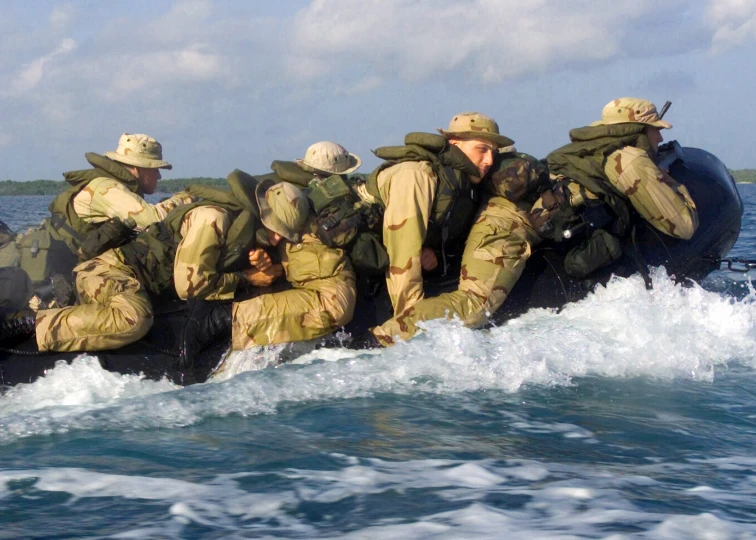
x: 548, y: 501
x: 621, y: 330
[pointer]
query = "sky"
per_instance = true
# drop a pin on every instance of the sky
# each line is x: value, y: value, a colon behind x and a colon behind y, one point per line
x: 227, y: 84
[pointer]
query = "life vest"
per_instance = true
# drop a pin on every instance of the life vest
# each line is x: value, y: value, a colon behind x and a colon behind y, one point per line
x: 583, y: 161
x: 342, y: 220
x: 152, y: 254
x: 456, y: 200
x: 595, y: 229
x: 64, y: 239
x: 65, y: 224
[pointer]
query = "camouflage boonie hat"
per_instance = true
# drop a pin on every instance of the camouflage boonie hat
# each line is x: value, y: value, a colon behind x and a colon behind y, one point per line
x: 283, y: 208
x: 631, y: 110
x: 473, y: 125
x: 139, y: 150
x: 329, y: 158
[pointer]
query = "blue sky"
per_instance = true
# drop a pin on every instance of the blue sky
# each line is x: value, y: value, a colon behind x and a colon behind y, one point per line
x: 227, y: 84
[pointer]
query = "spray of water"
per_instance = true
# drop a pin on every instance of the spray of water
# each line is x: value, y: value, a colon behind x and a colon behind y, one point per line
x: 621, y: 330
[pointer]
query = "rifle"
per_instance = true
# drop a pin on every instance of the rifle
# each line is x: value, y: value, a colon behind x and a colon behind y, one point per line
x: 664, y: 109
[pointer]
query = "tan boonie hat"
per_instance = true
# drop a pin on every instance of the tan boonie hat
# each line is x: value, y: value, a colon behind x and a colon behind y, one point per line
x: 631, y: 110
x: 473, y: 125
x: 283, y: 208
x: 329, y: 158
x: 139, y: 150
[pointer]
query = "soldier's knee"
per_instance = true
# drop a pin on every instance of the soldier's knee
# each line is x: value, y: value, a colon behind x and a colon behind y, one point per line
x: 133, y: 317
x: 341, y: 305
x: 139, y: 329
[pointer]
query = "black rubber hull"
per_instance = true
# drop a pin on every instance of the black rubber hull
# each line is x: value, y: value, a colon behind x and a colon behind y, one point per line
x: 543, y: 284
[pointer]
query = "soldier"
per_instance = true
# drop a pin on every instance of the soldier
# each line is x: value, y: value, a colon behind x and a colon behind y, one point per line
x: 426, y: 190
x: 324, y: 283
x: 495, y: 253
x: 611, y: 159
x: 99, y: 211
x: 614, y: 159
x: 208, y: 238
x: 610, y: 166
x: 115, y: 289
x: 116, y: 186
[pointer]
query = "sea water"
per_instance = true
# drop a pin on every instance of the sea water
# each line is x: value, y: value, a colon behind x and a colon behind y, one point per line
x: 630, y: 414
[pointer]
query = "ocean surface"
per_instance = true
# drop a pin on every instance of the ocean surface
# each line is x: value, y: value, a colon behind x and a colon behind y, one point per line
x: 630, y: 414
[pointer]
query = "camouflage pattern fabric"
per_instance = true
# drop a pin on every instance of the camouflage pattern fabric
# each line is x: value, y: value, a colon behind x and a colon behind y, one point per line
x: 322, y: 300
x: 195, y: 273
x: 114, y: 309
x: 496, y: 251
x: 407, y: 189
x: 106, y: 198
x: 654, y: 194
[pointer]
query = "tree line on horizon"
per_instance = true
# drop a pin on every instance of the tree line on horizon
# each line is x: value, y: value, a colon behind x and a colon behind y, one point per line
x: 53, y: 187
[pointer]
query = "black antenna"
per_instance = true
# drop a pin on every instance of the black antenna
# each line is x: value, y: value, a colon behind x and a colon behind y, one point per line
x: 664, y: 109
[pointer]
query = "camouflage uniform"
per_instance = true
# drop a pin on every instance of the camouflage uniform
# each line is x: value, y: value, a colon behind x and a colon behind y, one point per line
x: 495, y: 253
x: 656, y: 196
x: 96, y: 196
x: 119, y: 311
x: 115, y: 308
x: 324, y: 284
x: 106, y: 198
x: 407, y: 189
x: 321, y: 301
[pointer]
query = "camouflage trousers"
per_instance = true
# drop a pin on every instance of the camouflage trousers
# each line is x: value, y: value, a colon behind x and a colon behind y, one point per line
x: 114, y: 310
x: 496, y: 250
x: 321, y: 301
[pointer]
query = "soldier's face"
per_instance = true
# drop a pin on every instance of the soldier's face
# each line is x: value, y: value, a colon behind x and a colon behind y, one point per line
x: 273, y: 237
x: 480, y: 152
x: 148, y: 179
x: 654, y: 137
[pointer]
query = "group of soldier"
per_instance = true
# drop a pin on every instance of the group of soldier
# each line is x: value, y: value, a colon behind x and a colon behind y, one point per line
x: 462, y: 201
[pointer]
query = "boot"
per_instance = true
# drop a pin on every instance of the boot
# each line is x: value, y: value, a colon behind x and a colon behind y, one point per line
x: 364, y: 341
x: 207, y: 322
x: 17, y: 325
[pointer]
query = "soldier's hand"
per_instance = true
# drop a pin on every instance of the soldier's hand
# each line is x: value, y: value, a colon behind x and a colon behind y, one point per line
x: 260, y: 259
x: 428, y: 259
x: 263, y: 278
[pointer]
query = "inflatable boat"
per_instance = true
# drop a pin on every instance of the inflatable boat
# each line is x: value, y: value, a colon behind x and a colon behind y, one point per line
x: 544, y: 283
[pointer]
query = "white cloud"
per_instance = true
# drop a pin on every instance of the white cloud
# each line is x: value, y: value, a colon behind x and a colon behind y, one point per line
x: 489, y: 40
x: 61, y: 17
x: 5, y: 139
x: 32, y: 73
x: 734, y: 21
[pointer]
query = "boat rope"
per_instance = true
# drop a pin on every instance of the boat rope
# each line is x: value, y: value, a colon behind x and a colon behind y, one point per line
x: 21, y: 352
x: 734, y: 264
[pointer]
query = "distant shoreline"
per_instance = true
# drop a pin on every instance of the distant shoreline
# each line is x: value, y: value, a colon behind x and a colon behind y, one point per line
x: 53, y: 187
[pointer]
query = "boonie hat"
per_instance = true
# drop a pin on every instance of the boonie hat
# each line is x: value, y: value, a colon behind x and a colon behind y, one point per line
x: 631, y: 110
x: 139, y: 150
x: 283, y: 208
x: 329, y: 158
x: 473, y: 125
